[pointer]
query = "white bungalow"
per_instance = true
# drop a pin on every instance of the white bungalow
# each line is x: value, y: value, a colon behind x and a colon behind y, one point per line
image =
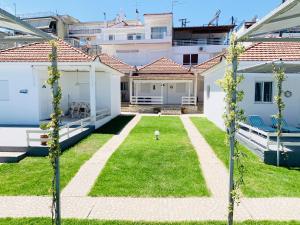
x: 258, y: 85
x: 25, y: 98
x: 163, y: 82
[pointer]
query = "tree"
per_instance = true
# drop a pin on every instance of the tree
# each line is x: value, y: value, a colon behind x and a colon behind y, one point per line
x: 279, y: 75
x: 234, y: 114
x: 54, y: 145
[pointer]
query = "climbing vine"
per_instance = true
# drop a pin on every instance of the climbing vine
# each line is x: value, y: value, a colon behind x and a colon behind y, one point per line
x: 233, y: 115
x: 53, y: 126
x: 279, y: 75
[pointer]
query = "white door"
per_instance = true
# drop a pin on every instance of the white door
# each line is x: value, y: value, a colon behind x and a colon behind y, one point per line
x: 45, y: 100
x: 173, y: 93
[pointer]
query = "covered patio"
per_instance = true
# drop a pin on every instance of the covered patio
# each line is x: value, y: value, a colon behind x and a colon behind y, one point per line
x: 163, y: 82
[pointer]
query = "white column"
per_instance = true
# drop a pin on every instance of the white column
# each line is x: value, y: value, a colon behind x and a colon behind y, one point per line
x: 196, y: 89
x: 93, y: 92
x: 136, y: 93
x: 189, y: 93
x: 130, y: 90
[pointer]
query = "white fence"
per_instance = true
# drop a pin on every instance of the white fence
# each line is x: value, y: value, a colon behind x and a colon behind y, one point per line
x: 254, y: 135
x: 66, y: 131
x: 147, y: 100
x: 186, y: 100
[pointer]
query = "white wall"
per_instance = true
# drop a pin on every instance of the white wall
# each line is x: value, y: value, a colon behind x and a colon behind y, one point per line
x: 115, y: 95
x: 207, y: 52
x: 214, y: 105
x: 265, y: 110
x: 103, y: 96
x: 20, y: 108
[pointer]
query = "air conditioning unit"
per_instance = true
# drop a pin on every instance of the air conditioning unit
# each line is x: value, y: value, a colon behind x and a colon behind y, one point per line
x: 201, y: 49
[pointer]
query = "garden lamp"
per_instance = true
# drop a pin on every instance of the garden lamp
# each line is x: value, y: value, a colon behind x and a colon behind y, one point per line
x: 157, y: 133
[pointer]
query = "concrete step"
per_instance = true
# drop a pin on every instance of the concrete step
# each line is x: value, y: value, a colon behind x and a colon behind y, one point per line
x: 13, y: 148
x: 11, y: 157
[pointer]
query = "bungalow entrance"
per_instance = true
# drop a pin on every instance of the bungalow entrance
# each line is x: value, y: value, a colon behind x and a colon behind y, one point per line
x: 163, y: 92
x: 163, y: 82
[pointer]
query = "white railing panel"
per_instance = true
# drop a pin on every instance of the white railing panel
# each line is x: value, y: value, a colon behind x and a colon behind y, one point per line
x: 147, y: 100
x: 69, y: 128
x: 186, y: 100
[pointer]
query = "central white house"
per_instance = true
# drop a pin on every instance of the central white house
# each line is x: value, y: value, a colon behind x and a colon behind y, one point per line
x: 163, y: 82
x: 25, y: 97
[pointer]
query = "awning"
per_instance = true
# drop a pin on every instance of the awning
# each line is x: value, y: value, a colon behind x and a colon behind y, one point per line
x: 286, y: 16
x: 10, y: 22
x: 268, y: 67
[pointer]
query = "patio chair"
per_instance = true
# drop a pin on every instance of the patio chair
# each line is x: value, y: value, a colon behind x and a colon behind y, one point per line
x: 74, y: 109
x: 285, y: 127
x: 257, y: 121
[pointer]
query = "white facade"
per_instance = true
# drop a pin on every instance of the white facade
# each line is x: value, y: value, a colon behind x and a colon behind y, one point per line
x: 214, y: 105
x: 26, y: 99
x: 163, y: 92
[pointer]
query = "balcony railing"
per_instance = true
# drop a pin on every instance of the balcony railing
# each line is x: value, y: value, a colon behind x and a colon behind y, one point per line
x: 203, y: 41
x: 85, y: 31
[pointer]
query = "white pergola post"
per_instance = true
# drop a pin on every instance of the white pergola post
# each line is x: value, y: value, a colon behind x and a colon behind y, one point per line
x: 130, y: 90
x: 93, y: 92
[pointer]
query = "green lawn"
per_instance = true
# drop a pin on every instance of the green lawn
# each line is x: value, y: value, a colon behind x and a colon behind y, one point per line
x: 261, y: 180
x: 144, y: 167
x: 43, y: 221
x: 32, y: 176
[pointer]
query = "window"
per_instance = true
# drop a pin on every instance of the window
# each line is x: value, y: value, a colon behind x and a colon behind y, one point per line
x: 130, y: 36
x: 111, y: 37
x: 263, y: 92
x: 138, y: 36
x: 124, y: 86
x: 194, y: 59
x: 158, y: 32
x: 4, y: 90
x: 190, y: 59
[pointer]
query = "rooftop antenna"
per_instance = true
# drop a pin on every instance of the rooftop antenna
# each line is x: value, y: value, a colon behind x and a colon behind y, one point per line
x: 215, y: 19
x: 105, y: 20
x: 137, y: 12
x: 15, y: 7
x: 184, y: 22
x: 174, y: 2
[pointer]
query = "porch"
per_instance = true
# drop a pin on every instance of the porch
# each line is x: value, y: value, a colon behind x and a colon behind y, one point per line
x: 264, y: 145
x: 163, y: 92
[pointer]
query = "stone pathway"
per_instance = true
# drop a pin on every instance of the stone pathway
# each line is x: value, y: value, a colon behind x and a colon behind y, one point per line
x: 152, y: 209
x: 76, y: 204
x: 213, y: 169
x: 85, y: 178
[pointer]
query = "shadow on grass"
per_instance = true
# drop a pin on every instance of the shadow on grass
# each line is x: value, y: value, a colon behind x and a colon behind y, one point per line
x: 116, y: 125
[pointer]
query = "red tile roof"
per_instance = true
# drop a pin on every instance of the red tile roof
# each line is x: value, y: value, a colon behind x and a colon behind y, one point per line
x: 38, y: 52
x: 163, y: 65
x: 264, y: 51
x: 163, y: 68
x: 210, y: 63
x: 115, y: 63
x: 270, y: 51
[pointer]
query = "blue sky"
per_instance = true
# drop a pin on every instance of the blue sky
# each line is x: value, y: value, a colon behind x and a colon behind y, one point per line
x: 198, y: 12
